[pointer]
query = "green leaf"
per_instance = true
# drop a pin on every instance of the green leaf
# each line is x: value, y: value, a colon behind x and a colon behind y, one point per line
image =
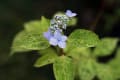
x: 115, y: 64
x: 86, y: 69
x: 25, y: 41
x: 38, y: 26
x: 47, y: 51
x: 105, y: 72
x: 82, y: 38
x: 118, y: 53
x: 63, y: 68
x: 77, y: 53
x: 46, y: 59
x: 105, y: 47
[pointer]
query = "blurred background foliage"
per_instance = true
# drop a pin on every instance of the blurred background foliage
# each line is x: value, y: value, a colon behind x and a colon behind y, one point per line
x: 100, y: 16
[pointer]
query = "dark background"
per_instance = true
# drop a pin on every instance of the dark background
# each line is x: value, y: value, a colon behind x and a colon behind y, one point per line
x: 100, y: 16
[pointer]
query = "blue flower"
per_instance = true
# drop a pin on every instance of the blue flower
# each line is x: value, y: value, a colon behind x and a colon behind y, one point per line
x: 58, y: 39
x: 55, y: 34
x: 48, y: 34
x: 70, y: 14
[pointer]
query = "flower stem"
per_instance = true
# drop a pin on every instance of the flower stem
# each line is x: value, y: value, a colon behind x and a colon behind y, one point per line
x: 61, y: 52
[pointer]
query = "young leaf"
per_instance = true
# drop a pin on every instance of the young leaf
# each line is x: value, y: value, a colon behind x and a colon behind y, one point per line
x: 118, y: 53
x: 63, y: 68
x: 86, y: 69
x: 115, y: 64
x: 46, y: 59
x: 105, y: 46
x: 82, y: 38
x: 38, y: 26
x: 105, y: 72
x: 25, y: 41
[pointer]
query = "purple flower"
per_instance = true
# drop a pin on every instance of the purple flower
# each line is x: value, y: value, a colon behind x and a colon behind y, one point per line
x: 58, y: 39
x: 70, y: 14
x: 48, y: 34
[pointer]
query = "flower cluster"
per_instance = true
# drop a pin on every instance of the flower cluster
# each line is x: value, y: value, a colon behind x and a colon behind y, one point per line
x: 59, y: 22
x: 55, y: 34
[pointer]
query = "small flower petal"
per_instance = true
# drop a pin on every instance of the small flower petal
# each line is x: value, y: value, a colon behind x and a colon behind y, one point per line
x: 70, y: 14
x: 62, y: 44
x: 47, y: 35
x: 53, y: 41
x: 63, y: 38
x: 57, y: 34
